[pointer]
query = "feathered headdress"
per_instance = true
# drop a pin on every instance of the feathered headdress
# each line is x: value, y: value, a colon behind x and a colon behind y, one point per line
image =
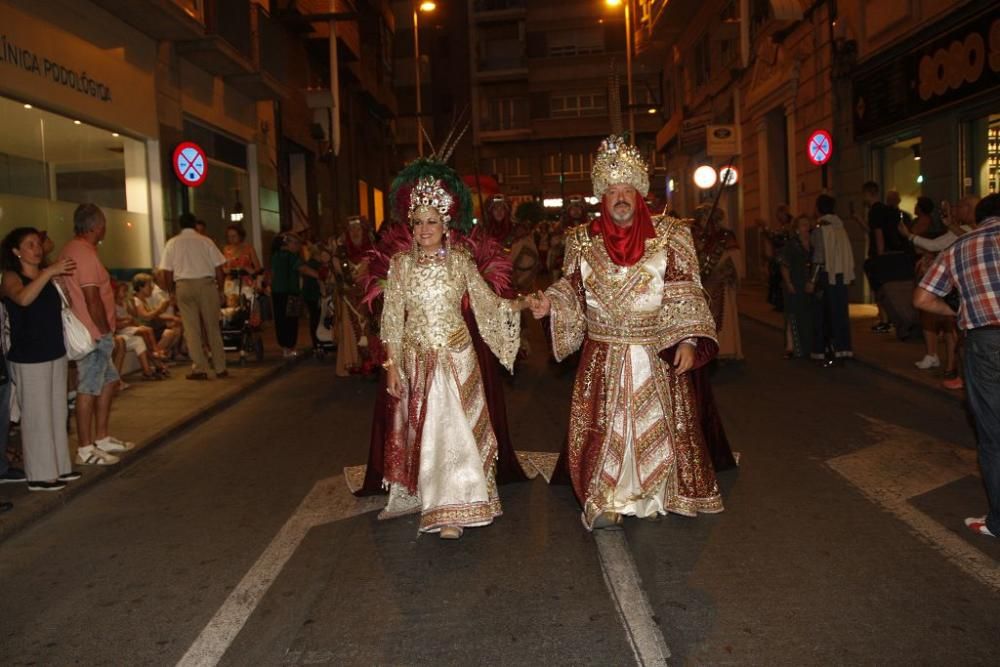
x: 436, y: 182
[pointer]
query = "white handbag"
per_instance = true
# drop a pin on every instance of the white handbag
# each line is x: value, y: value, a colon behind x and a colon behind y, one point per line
x: 79, y: 343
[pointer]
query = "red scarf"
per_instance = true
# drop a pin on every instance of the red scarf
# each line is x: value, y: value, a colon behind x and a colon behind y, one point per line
x: 625, y: 245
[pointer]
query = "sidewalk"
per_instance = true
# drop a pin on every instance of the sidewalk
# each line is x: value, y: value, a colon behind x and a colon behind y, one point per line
x: 148, y: 413
x: 883, y: 352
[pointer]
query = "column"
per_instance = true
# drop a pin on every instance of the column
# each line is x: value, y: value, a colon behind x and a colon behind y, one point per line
x: 792, y: 146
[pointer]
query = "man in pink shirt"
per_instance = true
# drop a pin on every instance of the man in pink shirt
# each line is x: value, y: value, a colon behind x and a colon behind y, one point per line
x: 93, y: 302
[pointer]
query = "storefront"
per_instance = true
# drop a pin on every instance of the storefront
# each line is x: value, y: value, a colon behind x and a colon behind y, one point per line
x: 928, y: 111
x: 79, y: 125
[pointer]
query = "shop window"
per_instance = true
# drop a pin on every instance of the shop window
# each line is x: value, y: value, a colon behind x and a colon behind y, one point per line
x: 900, y: 171
x: 984, y: 156
x: 49, y: 164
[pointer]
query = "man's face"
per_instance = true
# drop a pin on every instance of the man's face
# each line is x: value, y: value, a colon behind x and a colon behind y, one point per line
x: 620, y: 200
x: 892, y: 199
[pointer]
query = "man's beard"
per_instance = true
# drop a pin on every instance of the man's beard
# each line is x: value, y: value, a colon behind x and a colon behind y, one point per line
x: 624, y: 215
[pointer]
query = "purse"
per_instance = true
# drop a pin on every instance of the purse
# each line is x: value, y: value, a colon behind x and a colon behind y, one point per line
x: 76, y: 336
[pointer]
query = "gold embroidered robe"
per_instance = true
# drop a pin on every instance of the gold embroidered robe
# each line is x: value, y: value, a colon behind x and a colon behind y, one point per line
x: 441, y: 450
x: 635, y: 446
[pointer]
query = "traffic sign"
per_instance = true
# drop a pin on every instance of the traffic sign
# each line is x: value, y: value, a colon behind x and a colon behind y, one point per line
x: 819, y: 147
x: 190, y: 164
x: 729, y: 175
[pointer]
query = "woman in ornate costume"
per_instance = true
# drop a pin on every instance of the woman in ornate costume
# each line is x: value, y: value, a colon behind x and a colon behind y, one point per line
x: 352, y: 323
x: 440, y: 450
x: 717, y: 256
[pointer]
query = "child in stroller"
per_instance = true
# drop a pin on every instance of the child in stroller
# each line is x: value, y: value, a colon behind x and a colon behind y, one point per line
x: 241, y: 319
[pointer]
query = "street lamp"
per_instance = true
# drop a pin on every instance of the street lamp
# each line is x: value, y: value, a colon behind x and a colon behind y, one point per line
x: 705, y: 177
x: 427, y: 6
x: 628, y: 62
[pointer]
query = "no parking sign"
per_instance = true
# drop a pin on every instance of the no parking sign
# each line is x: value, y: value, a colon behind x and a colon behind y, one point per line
x: 190, y: 164
x: 819, y: 147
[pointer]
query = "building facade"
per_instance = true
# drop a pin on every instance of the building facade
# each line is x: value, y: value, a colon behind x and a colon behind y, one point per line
x: 549, y: 82
x: 99, y: 94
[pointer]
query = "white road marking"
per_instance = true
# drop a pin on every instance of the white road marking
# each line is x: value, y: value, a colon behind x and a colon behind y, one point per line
x: 328, y: 501
x: 630, y: 600
x: 905, y: 464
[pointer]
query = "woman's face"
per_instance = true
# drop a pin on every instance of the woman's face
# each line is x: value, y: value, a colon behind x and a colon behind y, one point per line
x: 427, y: 228
x: 146, y: 291
x: 356, y: 233
x: 30, y: 250
x: 121, y: 291
x: 232, y: 238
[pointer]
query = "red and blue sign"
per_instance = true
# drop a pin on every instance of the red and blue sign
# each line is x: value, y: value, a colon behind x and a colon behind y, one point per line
x: 819, y: 147
x: 190, y: 164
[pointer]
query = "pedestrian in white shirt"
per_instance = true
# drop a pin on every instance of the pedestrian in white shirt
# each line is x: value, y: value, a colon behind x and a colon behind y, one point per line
x: 192, y: 266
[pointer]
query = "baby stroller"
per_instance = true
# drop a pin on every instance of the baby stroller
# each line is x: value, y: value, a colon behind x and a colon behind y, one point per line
x: 241, y: 318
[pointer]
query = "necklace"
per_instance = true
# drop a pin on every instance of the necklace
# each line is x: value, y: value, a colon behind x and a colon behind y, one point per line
x: 433, y: 255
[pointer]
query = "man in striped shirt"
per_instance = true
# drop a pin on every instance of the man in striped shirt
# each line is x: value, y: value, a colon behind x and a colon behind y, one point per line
x: 972, y: 266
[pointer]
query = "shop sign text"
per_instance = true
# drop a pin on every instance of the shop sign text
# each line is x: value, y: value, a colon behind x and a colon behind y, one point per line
x: 15, y: 55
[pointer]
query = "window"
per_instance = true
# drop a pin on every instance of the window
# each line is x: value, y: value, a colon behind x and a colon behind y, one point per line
x: 984, y: 155
x: 702, y: 68
x: 570, y: 165
x: 585, y: 41
x: 505, y: 113
x: 506, y: 169
x: 50, y: 163
x: 573, y: 105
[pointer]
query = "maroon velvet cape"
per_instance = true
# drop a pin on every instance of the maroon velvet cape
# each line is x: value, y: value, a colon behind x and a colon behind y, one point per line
x: 508, y: 467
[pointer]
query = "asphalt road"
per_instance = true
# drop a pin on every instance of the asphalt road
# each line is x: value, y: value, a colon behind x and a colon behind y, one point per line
x: 237, y: 543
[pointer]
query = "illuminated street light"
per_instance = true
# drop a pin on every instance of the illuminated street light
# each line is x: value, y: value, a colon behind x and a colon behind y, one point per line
x: 426, y: 7
x: 628, y: 62
x: 705, y: 177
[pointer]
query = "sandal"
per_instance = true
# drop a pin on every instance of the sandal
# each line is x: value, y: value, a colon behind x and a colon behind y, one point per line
x: 152, y: 376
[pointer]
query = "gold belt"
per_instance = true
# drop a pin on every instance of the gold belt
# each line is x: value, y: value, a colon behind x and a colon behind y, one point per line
x: 634, y: 330
x: 456, y: 340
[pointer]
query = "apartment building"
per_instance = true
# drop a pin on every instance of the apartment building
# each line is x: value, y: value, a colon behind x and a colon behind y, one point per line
x: 548, y: 79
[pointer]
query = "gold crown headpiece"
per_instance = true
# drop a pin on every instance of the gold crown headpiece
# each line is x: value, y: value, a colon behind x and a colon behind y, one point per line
x: 617, y: 162
x: 429, y: 192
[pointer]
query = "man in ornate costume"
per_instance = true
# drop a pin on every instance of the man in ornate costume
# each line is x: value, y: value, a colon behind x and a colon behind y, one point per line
x: 718, y: 254
x: 631, y: 296
x: 352, y: 322
x: 441, y: 450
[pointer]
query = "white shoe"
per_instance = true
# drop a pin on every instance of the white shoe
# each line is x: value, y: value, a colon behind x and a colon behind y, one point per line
x: 928, y: 362
x: 114, y: 445
x: 92, y: 456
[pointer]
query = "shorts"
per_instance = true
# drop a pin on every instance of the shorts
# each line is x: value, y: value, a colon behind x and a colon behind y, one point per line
x: 96, y: 370
x: 133, y: 343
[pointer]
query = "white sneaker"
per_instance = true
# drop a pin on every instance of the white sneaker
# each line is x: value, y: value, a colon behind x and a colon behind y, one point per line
x: 114, y: 445
x: 92, y: 456
x: 928, y: 362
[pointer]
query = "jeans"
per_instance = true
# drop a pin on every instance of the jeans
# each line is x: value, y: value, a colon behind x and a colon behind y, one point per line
x: 97, y: 370
x: 982, y: 383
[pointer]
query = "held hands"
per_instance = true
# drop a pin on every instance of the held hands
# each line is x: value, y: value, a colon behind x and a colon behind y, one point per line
x: 539, y: 304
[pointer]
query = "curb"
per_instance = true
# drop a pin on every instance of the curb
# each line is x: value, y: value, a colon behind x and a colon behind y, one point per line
x: 958, y: 397
x: 16, y: 521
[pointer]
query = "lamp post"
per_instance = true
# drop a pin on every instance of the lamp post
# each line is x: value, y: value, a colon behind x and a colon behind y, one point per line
x: 628, y: 62
x: 426, y: 7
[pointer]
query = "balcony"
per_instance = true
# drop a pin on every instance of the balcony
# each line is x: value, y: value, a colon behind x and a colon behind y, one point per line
x: 171, y: 20
x: 270, y: 44
x: 661, y: 23
x: 499, y: 10
x: 226, y: 48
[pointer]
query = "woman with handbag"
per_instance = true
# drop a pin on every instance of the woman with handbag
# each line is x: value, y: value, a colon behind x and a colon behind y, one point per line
x: 37, y: 356
x: 287, y: 269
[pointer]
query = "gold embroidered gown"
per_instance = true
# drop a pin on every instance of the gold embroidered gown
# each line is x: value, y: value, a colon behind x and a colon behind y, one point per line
x: 635, y: 446
x: 441, y: 450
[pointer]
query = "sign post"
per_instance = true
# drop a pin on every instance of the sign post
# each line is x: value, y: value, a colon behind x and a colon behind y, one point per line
x: 820, y: 149
x: 190, y: 164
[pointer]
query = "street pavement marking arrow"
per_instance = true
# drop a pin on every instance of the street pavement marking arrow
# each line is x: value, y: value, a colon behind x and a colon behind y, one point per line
x: 906, y: 464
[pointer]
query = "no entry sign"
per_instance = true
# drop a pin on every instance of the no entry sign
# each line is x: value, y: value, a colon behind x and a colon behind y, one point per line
x: 819, y: 147
x: 190, y: 164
